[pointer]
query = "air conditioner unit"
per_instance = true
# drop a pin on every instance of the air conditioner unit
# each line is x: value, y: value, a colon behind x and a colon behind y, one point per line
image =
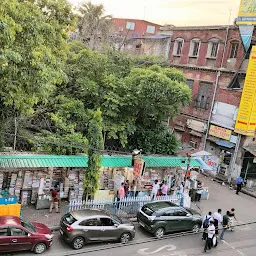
x: 193, y: 144
x: 120, y: 29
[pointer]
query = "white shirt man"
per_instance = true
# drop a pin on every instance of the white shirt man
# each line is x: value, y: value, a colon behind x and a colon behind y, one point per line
x: 218, y: 216
x: 181, y: 189
x: 155, y: 189
x: 187, y: 184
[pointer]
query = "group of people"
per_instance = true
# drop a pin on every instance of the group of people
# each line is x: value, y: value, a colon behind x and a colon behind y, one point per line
x: 212, y: 223
x: 127, y: 189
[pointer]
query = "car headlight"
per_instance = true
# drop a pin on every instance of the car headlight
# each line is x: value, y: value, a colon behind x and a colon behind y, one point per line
x: 49, y: 236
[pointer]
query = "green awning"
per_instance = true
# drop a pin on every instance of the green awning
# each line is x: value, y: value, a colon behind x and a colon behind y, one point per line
x: 41, y: 161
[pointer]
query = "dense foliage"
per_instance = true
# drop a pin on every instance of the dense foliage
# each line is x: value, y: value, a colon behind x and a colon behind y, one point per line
x: 58, y: 90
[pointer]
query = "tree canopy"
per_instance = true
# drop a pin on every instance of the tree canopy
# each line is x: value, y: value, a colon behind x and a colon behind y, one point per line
x: 55, y: 88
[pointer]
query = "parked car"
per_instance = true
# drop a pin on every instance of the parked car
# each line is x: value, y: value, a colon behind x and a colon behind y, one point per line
x: 20, y: 235
x: 161, y: 217
x: 94, y: 225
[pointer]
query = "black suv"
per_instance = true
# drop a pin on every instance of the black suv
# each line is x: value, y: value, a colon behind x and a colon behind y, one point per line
x: 161, y: 217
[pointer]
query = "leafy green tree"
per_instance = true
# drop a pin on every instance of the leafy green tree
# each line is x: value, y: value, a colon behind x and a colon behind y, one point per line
x: 32, y: 55
x: 94, y: 26
x: 153, y: 140
x: 95, y: 139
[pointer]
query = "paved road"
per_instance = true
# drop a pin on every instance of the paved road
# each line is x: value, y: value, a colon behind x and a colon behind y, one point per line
x: 241, y: 242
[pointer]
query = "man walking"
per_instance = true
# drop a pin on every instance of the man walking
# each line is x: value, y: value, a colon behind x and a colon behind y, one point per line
x: 210, y: 233
x: 164, y: 189
x: 239, y: 182
x: 155, y: 189
x: 225, y: 225
x: 54, y: 201
x: 218, y: 220
x: 207, y: 219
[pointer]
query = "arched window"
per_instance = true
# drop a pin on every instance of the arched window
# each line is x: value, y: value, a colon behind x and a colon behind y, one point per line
x: 234, y: 45
x: 178, y: 45
x: 194, y: 47
x: 213, y: 48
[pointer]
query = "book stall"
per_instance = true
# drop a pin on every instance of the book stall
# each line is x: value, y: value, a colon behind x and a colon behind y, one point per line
x: 33, y: 186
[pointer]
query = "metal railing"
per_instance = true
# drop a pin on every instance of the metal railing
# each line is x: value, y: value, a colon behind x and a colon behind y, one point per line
x: 126, y: 207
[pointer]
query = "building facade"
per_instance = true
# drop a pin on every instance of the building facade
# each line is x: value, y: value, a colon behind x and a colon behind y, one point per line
x: 134, y: 28
x: 214, y: 62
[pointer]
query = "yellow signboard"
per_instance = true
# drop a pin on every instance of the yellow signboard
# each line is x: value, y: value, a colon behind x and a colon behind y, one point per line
x: 220, y: 132
x: 247, y: 13
x: 246, y: 118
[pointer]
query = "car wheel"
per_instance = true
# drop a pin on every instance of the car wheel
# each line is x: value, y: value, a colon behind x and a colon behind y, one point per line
x: 159, y: 233
x: 196, y: 228
x: 40, y: 248
x: 125, y: 238
x: 78, y: 243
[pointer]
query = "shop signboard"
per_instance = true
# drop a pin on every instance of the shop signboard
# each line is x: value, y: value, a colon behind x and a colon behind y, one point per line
x: 246, y: 118
x: 246, y: 32
x: 138, y: 167
x: 247, y: 13
x: 220, y: 132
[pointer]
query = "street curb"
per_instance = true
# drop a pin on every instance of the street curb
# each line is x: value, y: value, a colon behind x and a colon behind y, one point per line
x: 55, y: 228
x: 248, y: 193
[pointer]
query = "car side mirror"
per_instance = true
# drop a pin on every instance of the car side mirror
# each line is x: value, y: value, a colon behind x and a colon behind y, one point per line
x: 116, y: 225
x: 188, y: 215
x: 29, y: 234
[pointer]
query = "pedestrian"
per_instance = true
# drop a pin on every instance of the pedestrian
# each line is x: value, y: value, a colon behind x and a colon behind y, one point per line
x: 5, y: 192
x: 120, y: 194
x: 155, y: 190
x: 132, y: 188
x: 181, y: 188
x: 126, y: 188
x: 217, y: 216
x: 54, y: 200
x: 210, y: 234
x: 164, y: 189
x: 239, y: 183
x: 187, y: 183
x: 199, y: 192
x: 231, y: 219
x: 207, y: 219
x: 225, y: 225
x: 121, y: 191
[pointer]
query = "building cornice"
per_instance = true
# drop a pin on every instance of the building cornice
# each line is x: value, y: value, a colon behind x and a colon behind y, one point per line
x: 205, y: 68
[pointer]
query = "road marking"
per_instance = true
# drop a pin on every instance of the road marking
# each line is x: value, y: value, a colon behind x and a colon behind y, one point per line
x: 233, y: 248
x: 168, y: 248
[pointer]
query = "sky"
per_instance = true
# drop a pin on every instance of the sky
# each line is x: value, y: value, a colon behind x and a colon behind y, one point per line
x: 176, y: 12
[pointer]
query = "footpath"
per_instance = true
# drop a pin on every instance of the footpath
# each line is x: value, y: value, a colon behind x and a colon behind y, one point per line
x: 220, y: 197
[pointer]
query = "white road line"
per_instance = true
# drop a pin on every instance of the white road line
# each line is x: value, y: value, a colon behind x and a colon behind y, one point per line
x: 233, y: 248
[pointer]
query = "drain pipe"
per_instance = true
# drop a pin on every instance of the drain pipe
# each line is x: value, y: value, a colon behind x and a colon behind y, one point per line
x: 215, y: 88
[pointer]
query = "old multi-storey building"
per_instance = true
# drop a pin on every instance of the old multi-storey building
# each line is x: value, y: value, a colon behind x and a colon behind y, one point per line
x: 214, y: 62
x: 134, y: 28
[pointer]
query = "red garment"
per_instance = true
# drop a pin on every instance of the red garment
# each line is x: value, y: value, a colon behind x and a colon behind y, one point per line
x: 55, y: 196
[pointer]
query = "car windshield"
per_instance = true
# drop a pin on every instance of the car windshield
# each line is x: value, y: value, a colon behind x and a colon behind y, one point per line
x: 147, y: 210
x: 69, y: 219
x: 28, y: 225
x: 116, y: 218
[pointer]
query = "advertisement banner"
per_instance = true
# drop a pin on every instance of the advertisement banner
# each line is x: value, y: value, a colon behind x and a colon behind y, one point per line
x: 220, y: 132
x: 138, y: 167
x: 246, y: 118
x: 247, y: 13
x: 246, y: 32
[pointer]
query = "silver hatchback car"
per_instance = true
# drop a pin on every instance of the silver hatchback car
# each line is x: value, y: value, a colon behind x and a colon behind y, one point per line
x: 94, y: 225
